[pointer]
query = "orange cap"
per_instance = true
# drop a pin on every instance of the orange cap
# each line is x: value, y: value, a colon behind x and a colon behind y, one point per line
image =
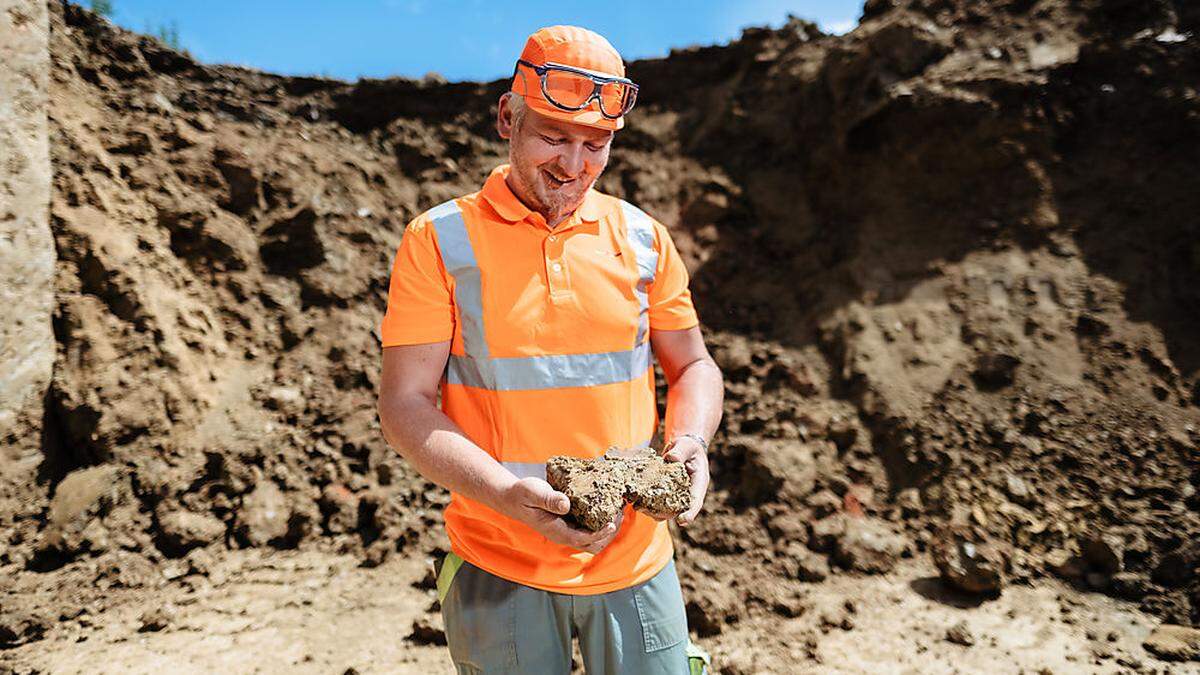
x: 568, y: 46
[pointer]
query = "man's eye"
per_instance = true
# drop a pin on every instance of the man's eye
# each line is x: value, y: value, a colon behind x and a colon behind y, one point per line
x: 552, y: 141
x: 595, y: 148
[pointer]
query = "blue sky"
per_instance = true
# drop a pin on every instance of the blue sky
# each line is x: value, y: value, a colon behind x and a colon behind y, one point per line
x: 462, y: 39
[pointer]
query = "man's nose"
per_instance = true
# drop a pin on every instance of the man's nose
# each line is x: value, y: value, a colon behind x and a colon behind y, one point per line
x: 571, y: 160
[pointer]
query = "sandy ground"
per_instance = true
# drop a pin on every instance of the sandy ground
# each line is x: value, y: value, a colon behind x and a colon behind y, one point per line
x: 310, y: 612
x: 275, y: 613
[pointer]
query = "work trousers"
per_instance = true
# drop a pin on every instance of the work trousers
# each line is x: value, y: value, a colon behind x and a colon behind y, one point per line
x: 496, y: 626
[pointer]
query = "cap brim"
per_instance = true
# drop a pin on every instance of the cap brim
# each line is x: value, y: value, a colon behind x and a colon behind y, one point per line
x: 589, y: 116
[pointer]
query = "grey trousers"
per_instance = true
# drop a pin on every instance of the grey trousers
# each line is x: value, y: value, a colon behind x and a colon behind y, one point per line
x: 497, y: 626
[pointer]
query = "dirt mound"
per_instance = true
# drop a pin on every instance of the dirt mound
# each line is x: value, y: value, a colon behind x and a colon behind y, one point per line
x: 947, y: 263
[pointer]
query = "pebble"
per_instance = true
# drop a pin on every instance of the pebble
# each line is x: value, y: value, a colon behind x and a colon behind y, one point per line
x: 960, y: 634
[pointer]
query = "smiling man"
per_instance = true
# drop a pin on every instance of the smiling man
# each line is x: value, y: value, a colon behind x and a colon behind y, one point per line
x: 536, y: 305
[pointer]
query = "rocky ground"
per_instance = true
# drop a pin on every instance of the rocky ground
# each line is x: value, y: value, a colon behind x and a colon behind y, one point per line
x: 947, y: 263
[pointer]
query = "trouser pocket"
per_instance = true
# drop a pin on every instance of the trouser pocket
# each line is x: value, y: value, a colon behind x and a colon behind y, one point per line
x: 660, y: 610
x: 477, y: 608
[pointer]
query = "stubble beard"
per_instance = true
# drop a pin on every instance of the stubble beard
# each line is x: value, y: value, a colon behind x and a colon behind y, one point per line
x: 552, y: 203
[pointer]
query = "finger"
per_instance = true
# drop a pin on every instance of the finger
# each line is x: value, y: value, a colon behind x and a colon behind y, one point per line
x: 599, y: 546
x: 607, y: 532
x: 577, y: 538
x: 676, y: 455
x: 557, y: 502
x: 561, y: 533
x: 612, y: 528
x: 698, y: 490
x: 603, y: 543
x: 688, y: 517
x: 547, y: 498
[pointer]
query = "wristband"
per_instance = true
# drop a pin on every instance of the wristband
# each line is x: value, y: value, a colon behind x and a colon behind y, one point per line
x: 695, y: 437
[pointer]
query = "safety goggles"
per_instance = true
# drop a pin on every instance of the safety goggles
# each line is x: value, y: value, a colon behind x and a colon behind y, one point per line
x: 574, y: 89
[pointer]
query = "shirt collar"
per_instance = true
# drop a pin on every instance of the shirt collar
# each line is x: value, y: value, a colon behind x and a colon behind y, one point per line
x: 507, y: 206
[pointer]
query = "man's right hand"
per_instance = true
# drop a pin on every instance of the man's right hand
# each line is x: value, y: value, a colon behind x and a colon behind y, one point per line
x: 533, y: 502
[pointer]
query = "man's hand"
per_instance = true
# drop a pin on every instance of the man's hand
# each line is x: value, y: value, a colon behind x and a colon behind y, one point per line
x: 695, y: 462
x: 533, y: 502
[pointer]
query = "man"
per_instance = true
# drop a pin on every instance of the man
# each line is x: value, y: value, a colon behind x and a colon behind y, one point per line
x: 534, y: 304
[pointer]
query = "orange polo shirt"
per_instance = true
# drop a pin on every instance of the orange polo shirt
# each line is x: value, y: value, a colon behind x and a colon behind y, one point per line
x: 549, y: 355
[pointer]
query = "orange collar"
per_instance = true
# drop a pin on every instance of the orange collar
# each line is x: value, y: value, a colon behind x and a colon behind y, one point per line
x: 508, y: 207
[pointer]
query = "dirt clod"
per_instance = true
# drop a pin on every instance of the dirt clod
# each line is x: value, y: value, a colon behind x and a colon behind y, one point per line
x: 778, y: 471
x: 804, y: 565
x: 157, y: 618
x: 599, y: 488
x: 19, y: 627
x: 264, y: 515
x: 184, y: 530
x: 1174, y: 643
x: 656, y: 486
x: 969, y: 566
x: 428, y: 631
x: 82, y: 501
x: 596, y: 489
x: 867, y: 544
x: 960, y: 634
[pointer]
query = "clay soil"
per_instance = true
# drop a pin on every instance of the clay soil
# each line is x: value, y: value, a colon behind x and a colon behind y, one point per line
x: 948, y: 264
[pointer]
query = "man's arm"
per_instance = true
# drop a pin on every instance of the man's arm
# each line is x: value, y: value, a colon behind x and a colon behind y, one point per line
x: 437, y: 447
x: 695, y: 395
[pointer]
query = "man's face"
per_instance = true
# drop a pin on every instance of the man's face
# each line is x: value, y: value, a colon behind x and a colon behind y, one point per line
x: 554, y: 163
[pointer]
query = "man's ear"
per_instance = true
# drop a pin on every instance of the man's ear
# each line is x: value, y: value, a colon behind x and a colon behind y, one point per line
x: 504, y: 115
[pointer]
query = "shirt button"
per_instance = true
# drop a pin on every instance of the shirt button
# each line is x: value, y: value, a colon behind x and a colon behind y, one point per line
x: 557, y: 267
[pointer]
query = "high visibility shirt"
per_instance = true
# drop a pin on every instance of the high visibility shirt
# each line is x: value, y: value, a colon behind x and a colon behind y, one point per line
x: 549, y: 355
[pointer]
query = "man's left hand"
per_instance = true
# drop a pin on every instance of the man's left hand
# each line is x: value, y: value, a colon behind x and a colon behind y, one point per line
x: 695, y: 462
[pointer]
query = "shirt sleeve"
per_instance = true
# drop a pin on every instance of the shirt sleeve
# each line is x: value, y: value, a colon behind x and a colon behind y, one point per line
x: 420, y: 308
x: 670, y: 300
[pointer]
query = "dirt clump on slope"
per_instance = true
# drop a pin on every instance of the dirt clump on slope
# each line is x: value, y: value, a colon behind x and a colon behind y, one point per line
x: 946, y: 263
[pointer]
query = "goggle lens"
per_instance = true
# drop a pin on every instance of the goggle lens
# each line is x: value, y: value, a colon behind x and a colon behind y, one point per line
x: 568, y: 89
x: 616, y: 98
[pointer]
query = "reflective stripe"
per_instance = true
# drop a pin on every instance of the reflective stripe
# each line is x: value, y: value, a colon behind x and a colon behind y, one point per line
x: 459, y: 258
x: 538, y: 469
x: 639, y: 230
x: 526, y: 469
x: 553, y: 371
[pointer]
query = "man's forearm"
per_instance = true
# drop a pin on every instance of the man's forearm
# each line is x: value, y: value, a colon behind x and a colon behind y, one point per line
x: 442, y: 453
x: 694, y: 400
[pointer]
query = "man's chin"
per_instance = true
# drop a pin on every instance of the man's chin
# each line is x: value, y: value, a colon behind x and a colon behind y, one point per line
x: 560, y: 203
